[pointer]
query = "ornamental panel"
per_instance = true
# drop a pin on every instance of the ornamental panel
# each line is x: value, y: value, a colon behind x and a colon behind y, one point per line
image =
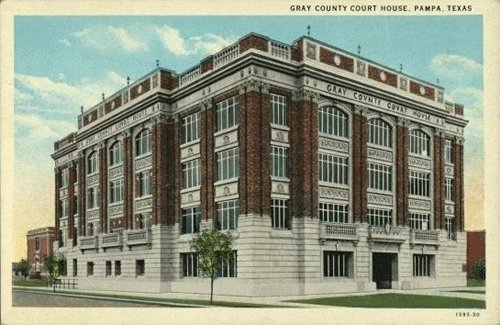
x: 190, y: 151
x: 143, y: 204
x: 334, y: 193
x: 449, y: 209
x: 226, y: 189
x: 449, y: 170
x: 334, y: 145
x: 380, y: 199
x: 143, y: 163
x: 419, y: 204
x: 279, y: 135
x: 93, y: 215
x: 190, y: 197
x: 92, y: 180
x: 115, y: 210
x: 280, y: 187
x: 115, y: 172
x: 226, y: 139
x: 419, y: 163
x: 378, y: 154
x: 63, y: 193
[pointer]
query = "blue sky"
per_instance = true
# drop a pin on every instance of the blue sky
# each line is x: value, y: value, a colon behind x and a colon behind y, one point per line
x: 64, y: 62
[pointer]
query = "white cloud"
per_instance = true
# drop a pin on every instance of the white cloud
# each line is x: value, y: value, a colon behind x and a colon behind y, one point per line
x: 36, y: 128
x: 455, y: 65
x: 173, y: 41
x: 106, y: 38
x: 116, y: 78
x: 65, y: 42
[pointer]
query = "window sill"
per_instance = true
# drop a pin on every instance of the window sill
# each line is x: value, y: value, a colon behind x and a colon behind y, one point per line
x: 334, y: 185
x: 224, y: 131
x: 144, y: 155
x: 280, y: 179
x: 227, y: 181
x: 114, y: 204
x: 280, y: 127
x: 143, y: 197
x: 190, y: 143
x: 115, y: 165
x: 335, y: 137
x: 191, y: 189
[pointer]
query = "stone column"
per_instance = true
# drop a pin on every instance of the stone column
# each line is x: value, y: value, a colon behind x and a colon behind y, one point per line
x: 402, y: 173
x: 304, y: 154
x: 359, y: 164
x: 439, y: 188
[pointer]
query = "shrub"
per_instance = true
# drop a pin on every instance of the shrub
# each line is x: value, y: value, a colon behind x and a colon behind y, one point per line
x: 479, y: 270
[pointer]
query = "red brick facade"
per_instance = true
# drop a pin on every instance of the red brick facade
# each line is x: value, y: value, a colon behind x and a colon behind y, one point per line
x: 45, y: 237
x: 475, y: 249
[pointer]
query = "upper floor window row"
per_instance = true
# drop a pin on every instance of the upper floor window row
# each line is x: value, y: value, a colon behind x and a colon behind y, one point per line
x: 115, y: 154
x: 64, y: 177
x: 227, y: 113
x: 191, y: 128
x: 420, y: 143
x: 92, y: 163
x: 333, y: 121
x: 448, y: 151
x: 380, y: 133
x: 143, y: 143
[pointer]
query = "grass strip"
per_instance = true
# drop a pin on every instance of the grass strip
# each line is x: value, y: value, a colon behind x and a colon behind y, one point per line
x: 394, y: 300
x: 475, y: 283
x: 471, y: 291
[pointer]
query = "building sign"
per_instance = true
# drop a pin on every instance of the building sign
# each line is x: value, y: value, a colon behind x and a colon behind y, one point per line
x: 385, y: 105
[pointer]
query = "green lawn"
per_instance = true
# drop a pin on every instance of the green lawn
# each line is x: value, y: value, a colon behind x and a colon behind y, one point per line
x: 471, y: 291
x: 475, y: 283
x: 216, y: 303
x: 393, y: 300
x: 30, y: 283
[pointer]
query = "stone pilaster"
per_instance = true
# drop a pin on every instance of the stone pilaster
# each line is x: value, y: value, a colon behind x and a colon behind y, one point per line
x: 402, y: 173
x: 359, y: 164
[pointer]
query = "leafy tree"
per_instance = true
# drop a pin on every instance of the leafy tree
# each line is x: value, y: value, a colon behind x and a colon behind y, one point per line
x: 23, y: 267
x: 54, y: 265
x: 213, y: 248
x: 479, y: 270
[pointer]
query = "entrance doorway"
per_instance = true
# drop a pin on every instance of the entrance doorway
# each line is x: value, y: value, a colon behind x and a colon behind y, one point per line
x: 384, y: 269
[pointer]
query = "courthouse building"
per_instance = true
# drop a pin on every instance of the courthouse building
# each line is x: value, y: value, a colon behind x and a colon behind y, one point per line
x: 334, y: 173
x: 39, y: 243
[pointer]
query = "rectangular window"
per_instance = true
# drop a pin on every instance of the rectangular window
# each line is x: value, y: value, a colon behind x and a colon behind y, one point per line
x: 228, y: 268
x: 336, y: 264
x: 419, y: 143
x: 144, y: 219
x: 189, y: 264
x: 116, y: 191
x: 278, y: 112
x: 75, y: 267
x: 228, y: 164
x: 419, y: 183
x: 191, y: 173
x: 420, y: 221
x: 37, y: 244
x: 191, y: 220
x: 75, y: 205
x: 380, y: 177
x: 118, y: 268
x: 422, y: 265
x: 337, y: 213
x: 90, y: 268
x: 279, y: 161
x: 280, y: 217
x: 450, y: 228
x: 379, y: 217
x: 332, y: 120
x: 449, y: 189
x: 140, y: 267
x: 64, y: 178
x: 333, y: 169
x: 108, y: 268
x: 64, y: 208
x: 144, y: 183
x: 191, y: 128
x: 448, y: 151
x: 227, y: 214
x: 227, y: 113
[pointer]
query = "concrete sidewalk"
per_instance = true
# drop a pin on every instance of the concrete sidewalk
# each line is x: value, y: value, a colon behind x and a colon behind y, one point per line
x: 279, y: 301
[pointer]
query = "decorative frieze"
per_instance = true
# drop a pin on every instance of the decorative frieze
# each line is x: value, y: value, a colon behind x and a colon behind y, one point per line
x: 143, y: 204
x: 115, y: 210
x: 419, y: 204
x: 419, y: 163
x: 92, y: 180
x: 334, y: 193
x: 115, y: 172
x: 190, y: 197
x: 335, y: 145
x: 93, y: 215
x: 378, y: 154
x: 143, y: 163
x: 279, y: 135
x: 380, y: 199
x: 190, y: 151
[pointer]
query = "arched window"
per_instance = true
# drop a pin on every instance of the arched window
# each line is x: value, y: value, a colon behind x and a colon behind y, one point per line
x: 92, y: 163
x: 419, y: 143
x: 333, y: 121
x: 115, y: 154
x: 379, y: 133
x: 143, y: 143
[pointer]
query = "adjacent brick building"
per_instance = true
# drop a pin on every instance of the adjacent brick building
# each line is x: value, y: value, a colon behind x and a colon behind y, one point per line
x: 335, y: 173
x: 475, y: 249
x: 40, y: 244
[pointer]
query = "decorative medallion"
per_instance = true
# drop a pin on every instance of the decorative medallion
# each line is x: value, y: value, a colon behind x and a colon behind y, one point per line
x: 139, y: 89
x: 311, y: 51
x: 280, y: 136
x: 337, y: 60
x: 190, y: 151
x: 383, y: 76
x: 281, y: 188
x: 422, y: 90
x: 227, y: 191
x: 403, y: 83
x: 361, y: 68
x: 226, y: 139
x: 190, y: 198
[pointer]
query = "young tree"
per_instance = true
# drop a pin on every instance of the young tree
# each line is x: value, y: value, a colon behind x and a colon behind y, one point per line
x: 53, y: 264
x: 23, y: 267
x: 213, y: 248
